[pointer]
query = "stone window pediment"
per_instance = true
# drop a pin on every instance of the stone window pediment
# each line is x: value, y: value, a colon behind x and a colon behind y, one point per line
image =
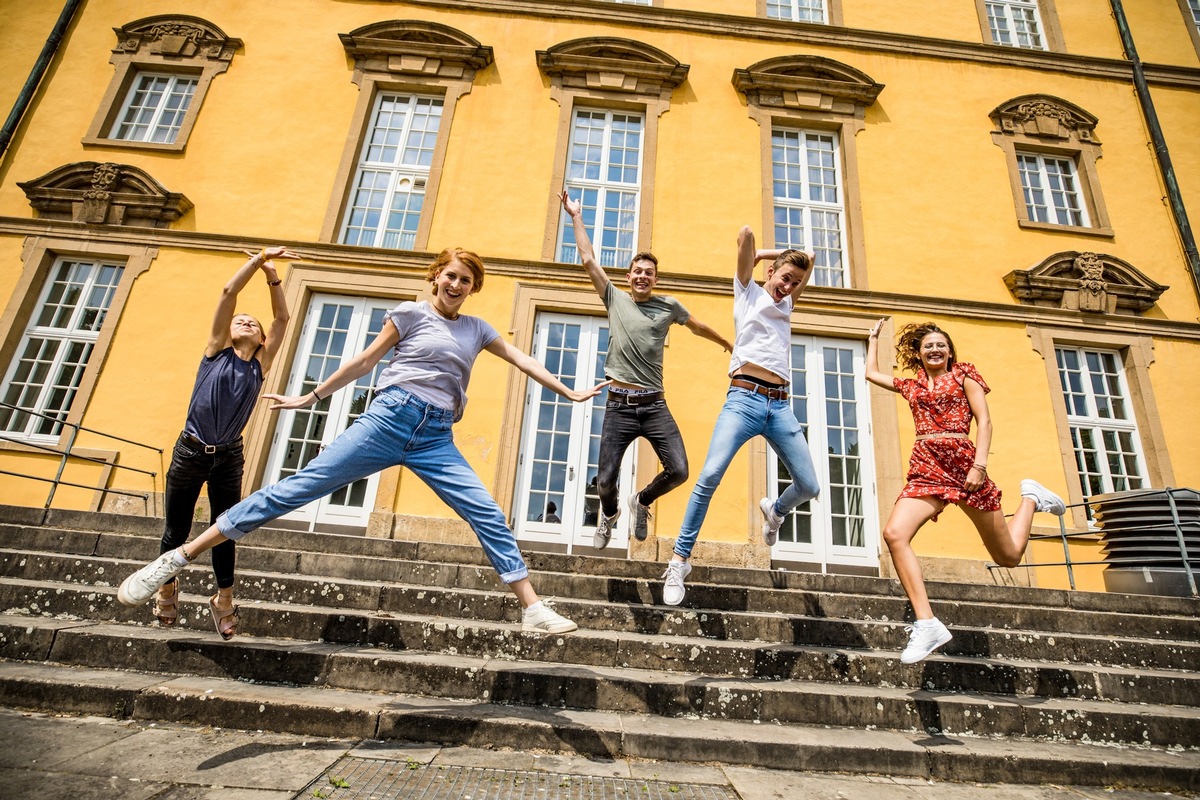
x: 416, y: 47
x: 807, y: 82
x: 612, y: 64
x: 104, y: 194
x: 1080, y: 281
x: 1045, y: 117
x: 176, y: 36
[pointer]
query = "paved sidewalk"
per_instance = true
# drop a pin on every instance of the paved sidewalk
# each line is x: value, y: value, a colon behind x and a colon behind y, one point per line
x: 97, y: 758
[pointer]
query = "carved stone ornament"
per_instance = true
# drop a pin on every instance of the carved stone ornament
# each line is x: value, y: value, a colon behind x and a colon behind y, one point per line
x: 104, y: 194
x: 176, y: 36
x: 613, y: 65
x: 807, y: 82
x: 416, y: 47
x: 1094, y: 282
x: 1045, y: 117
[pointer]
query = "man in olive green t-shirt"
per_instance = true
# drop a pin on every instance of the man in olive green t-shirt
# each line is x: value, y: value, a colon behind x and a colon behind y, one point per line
x: 638, y: 323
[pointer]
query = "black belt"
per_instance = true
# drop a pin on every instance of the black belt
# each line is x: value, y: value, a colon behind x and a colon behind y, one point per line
x: 758, y: 388
x: 208, y: 449
x: 623, y: 399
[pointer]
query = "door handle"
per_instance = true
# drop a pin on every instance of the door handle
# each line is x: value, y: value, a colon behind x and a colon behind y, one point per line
x: 570, y: 473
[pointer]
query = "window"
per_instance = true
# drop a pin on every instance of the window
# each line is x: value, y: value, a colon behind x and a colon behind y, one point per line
x: 389, y: 189
x: 164, y: 65
x: 809, y: 110
x: 1194, y: 7
x: 52, y: 356
x: 1191, y: 15
x: 155, y: 107
x: 1016, y: 23
x: 808, y: 199
x: 1104, y: 433
x: 1051, y: 151
x: 797, y: 10
x: 1051, y: 189
x: 828, y: 396
x: 604, y: 172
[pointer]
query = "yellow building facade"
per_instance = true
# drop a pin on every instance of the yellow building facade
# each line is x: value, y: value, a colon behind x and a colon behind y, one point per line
x: 985, y: 165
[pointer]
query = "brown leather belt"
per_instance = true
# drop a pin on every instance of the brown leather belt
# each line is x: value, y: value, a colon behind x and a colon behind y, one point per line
x: 774, y: 394
x: 925, y: 436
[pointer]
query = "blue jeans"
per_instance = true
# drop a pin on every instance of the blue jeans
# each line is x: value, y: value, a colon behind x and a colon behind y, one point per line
x: 398, y: 429
x: 744, y: 416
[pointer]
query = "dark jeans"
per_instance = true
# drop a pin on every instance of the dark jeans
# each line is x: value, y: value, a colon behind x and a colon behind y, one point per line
x: 190, y: 469
x: 624, y: 423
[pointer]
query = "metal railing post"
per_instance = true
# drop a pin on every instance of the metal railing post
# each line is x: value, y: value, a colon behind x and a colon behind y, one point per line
x: 1062, y: 531
x: 62, y: 466
x: 1183, y: 553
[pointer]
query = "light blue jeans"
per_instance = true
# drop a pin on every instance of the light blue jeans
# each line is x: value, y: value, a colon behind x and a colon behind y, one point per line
x: 744, y: 416
x: 398, y: 429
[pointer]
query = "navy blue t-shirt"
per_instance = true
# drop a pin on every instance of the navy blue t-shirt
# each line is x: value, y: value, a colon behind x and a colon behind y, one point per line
x: 223, y: 398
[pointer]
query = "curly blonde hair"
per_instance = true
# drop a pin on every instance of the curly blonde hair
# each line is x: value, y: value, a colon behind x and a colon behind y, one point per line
x: 908, y: 344
x: 465, y: 257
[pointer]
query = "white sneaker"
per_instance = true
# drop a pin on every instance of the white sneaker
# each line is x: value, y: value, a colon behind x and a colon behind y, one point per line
x: 1045, y: 499
x: 145, y: 583
x: 925, y: 636
x: 673, y: 589
x: 771, y: 521
x: 604, y: 529
x: 545, y: 619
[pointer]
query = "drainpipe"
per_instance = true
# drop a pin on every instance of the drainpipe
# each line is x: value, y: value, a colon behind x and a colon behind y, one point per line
x: 37, y: 73
x: 1160, y: 145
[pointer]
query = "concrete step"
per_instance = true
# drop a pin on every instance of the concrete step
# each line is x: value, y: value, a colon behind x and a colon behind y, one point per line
x: 322, y: 711
x: 656, y: 692
x: 476, y: 594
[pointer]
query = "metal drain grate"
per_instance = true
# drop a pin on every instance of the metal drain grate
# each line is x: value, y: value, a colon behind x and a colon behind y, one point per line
x: 372, y: 779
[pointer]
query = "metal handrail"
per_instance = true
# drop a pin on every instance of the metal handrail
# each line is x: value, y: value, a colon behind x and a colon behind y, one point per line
x: 66, y: 454
x: 1176, y: 524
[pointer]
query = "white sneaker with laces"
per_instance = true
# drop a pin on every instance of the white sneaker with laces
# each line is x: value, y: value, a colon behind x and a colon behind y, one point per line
x: 604, y: 529
x: 673, y: 589
x: 925, y: 636
x: 1046, y: 500
x: 771, y: 521
x: 545, y: 619
x: 145, y: 583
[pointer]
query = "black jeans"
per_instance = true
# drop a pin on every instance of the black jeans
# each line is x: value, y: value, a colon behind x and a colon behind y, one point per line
x: 622, y: 424
x: 190, y: 469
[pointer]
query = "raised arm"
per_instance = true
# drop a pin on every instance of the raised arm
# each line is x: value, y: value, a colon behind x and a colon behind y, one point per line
x: 747, y: 256
x: 279, y: 311
x: 534, y: 369
x: 872, y: 367
x: 347, y: 373
x: 700, y: 329
x: 218, y: 337
x: 983, y: 434
x: 583, y: 244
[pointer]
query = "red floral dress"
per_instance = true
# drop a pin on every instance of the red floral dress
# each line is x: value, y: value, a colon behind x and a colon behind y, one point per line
x: 938, y: 467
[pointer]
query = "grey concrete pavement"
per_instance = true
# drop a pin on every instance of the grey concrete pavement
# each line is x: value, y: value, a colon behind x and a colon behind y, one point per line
x: 97, y: 758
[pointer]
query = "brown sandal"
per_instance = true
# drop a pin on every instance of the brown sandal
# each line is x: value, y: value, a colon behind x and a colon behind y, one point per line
x: 166, y: 609
x: 226, y: 622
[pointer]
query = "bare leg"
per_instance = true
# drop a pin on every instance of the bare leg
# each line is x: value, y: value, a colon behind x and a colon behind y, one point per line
x: 1005, y: 541
x: 204, y: 542
x: 523, y: 589
x: 908, y: 515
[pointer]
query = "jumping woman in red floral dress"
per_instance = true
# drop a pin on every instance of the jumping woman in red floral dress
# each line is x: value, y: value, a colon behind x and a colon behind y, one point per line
x: 946, y: 467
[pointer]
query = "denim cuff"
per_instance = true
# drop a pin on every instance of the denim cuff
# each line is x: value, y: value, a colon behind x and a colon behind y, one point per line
x: 515, y: 575
x: 227, y: 528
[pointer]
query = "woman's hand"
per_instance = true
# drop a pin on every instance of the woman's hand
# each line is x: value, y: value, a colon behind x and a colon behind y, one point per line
x: 286, y: 402
x: 976, y: 477
x: 877, y: 328
x: 587, y: 394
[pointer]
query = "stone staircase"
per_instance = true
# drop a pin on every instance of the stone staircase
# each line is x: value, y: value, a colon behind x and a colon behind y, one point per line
x: 349, y: 636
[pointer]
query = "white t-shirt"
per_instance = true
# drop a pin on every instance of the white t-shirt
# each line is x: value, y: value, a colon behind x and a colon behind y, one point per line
x: 763, y: 330
x: 434, y: 356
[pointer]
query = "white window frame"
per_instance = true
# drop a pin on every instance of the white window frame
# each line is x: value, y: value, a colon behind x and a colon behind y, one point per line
x: 831, y: 256
x: 815, y: 11
x: 1194, y: 7
x: 809, y: 387
x: 615, y: 245
x: 1100, y: 415
x: 154, y: 131
x: 396, y: 175
x: 1009, y: 22
x: 49, y: 395
x: 1058, y: 198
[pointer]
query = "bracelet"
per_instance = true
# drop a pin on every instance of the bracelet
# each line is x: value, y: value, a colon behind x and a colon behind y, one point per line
x: 980, y: 467
x: 275, y: 282
x: 314, y: 394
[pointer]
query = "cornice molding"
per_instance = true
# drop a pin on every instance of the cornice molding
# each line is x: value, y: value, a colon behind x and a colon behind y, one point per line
x: 1093, y: 282
x: 1047, y: 117
x: 610, y: 63
x: 104, y: 194
x: 805, y: 81
x: 848, y: 302
x: 176, y: 36
x: 744, y: 27
x: 416, y: 47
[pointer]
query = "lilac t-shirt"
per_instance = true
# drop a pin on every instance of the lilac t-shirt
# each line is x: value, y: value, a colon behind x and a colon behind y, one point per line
x: 434, y: 356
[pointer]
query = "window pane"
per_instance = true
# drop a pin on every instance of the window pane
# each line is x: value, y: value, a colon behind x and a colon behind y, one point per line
x: 808, y: 210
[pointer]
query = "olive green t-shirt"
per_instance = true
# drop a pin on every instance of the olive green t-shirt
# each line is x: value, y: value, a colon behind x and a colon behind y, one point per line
x: 636, y: 334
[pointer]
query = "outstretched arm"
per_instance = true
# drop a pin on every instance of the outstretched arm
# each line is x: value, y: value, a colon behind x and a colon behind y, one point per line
x: 583, y: 244
x: 534, y: 369
x: 983, y: 434
x: 700, y: 329
x: 218, y: 337
x: 872, y: 367
x: 349, y: 372
x: 279, y: 313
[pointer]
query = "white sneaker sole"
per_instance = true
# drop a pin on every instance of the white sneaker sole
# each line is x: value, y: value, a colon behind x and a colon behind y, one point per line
x: 926, y: 655
x: 124, y: 598
x: 562, y: 628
